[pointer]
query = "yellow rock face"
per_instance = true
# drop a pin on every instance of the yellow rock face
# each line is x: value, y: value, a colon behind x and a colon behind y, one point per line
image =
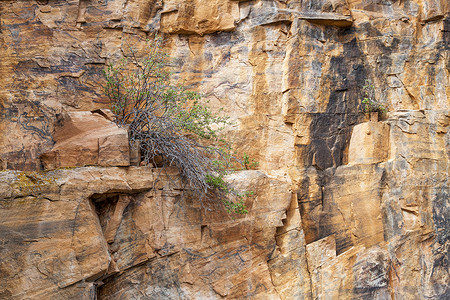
x: 87, y: 138
x: 345, y: 209
x: 199, y: 17
x: 369, y: 143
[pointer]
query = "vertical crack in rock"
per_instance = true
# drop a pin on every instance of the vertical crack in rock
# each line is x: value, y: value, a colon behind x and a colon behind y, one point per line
x: 287, y: 266
x: 305, y: 249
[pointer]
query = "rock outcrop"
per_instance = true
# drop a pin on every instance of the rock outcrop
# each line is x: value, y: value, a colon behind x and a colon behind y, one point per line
x: 87, y: 139
x: 369, y: 143
x: 345, y: 208
x: 125, y: 233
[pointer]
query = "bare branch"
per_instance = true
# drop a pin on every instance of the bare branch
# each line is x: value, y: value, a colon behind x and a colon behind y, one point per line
x: 169, y: 123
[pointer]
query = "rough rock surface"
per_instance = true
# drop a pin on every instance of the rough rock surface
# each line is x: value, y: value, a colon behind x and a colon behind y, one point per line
x: 339, y: 213
x: 132, y: 233
x: 369, y: 143
x: 87, y: 138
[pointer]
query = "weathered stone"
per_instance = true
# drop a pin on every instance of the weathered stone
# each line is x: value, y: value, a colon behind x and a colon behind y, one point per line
x: 197, y: 16
x: 356, y: 273
x: 116, y: 218
x: 58, y: 244
x: 321, y: 252
x: 288, y: 267
x: 433, y: 10
x: 346, y: 203
x: 85, y: 138
x: 290, y: 75
x: 369, y: 143
x: 158, y: 225
x: 63, y: 239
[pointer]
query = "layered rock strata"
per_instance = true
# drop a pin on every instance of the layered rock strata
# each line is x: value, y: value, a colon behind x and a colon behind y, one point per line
x: 357, y: 210
x: 126, y: 233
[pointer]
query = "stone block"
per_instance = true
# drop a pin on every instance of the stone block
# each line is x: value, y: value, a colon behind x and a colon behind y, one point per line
x: 87, y: 138
x: 113, y: 150
x: 369, y: 143
x: 432, y: 10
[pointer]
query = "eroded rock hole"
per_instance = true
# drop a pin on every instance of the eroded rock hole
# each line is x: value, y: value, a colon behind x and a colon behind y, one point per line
x: 110, y: 209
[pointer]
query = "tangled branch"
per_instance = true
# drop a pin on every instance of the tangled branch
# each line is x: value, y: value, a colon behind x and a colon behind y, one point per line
x: 170, y: 125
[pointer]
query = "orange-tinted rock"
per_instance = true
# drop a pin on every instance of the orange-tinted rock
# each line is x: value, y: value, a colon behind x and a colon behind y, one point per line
x: 321, y: 252
x: 369, y: 143
x: 290, y: 75
x: 161, y: 241
x: 57, y: 249
x: 199, y: 17
x: 86, y: 138
x: 346, y: 203
x: 288, y: 264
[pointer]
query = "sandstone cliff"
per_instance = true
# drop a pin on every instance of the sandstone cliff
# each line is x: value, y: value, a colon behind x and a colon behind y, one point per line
x: 345, y: 208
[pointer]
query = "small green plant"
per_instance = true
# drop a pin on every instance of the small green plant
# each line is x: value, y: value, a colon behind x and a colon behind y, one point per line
x: 249, y: 163
x: 235, y: 207
x: 170, y: 122
x: 370, y: 104
x: 217, y: 182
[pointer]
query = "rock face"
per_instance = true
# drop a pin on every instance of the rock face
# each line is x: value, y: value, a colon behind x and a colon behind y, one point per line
x: 344, y: 208
x: 125, y: 233
x: 87, y: 138
x: 369, y: 143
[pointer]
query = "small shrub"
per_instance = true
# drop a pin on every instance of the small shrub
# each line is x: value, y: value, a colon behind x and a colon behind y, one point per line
x: 370, y: 104
x: 235, y: 207
x: 169, y: 122
x: 249, y: 163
